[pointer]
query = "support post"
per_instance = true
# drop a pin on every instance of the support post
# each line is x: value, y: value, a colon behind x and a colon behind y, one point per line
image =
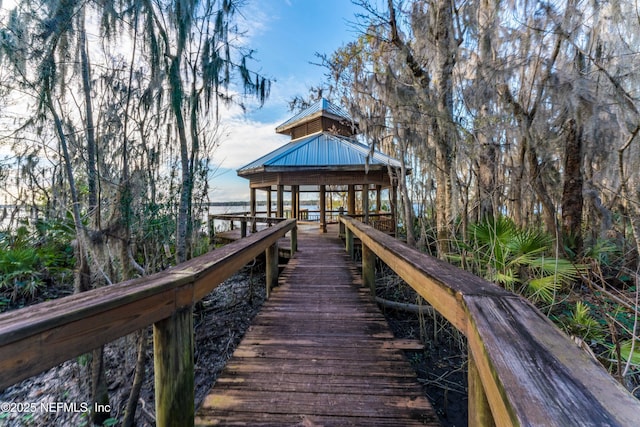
x: 280, y: 201
x: 294, y: 201
x: 173, y: 367
x: 340, y: 223
x: 323, y: 208
x: 369, y: 268
x: 272, y: 267
x: 294, y: 240
x: 351, y: 200
x: 212, y: 231
x: 365, y: 203
x: 378, y: 198
x: 243, y: 228
x: 253, y: 210
x: 269, y: 212
x: 348, y: 238
x: 479, y: 411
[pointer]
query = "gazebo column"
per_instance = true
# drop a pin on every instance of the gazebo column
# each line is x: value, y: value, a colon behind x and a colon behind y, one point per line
x: 280, y: 201
x: 351, y: 200
x: 365, y: 203
x: 323, y: 208
x: 294, y: 201
x: 269, y: 212
x: 379, y: 198
x: 252, y: 208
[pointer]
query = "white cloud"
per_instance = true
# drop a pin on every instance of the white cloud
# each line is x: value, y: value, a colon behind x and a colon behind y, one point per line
x: 246, y: 141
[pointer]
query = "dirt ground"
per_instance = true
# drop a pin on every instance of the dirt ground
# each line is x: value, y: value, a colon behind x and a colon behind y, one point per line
x: 220, y: 321
x: 441, y: 367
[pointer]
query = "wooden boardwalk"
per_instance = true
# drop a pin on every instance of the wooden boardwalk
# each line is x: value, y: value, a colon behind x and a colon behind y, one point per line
x: 319, y: 353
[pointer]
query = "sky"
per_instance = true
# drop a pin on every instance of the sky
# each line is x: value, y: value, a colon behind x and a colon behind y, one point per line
x: 286, y: 34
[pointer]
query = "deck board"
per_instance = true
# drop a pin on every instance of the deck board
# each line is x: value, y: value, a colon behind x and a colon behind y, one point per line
x: 318, y: 354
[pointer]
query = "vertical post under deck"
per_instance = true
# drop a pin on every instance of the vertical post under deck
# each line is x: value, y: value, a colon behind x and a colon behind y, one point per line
x: 348, y: 237
x: 479, y: 411
x: 173, y: 369
x: 243, y: 228
x: 272, y: 267
x: 294, y: 240
x: 369, y: 269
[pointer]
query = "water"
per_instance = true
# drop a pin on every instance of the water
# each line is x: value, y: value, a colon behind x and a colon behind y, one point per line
x: 261, y: 210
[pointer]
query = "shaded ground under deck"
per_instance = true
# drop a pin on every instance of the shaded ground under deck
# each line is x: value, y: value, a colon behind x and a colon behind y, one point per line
x: 319, y: 353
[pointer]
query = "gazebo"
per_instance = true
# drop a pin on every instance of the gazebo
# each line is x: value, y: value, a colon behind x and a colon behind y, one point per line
x: 323, y: 157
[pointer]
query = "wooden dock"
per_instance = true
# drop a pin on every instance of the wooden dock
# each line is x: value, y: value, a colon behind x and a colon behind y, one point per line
x: 320, y: 353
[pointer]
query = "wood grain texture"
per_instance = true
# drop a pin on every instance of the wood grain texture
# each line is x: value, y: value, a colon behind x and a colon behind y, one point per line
x: 531, y: 373
x: 319, y: 353
x: 39, y: 337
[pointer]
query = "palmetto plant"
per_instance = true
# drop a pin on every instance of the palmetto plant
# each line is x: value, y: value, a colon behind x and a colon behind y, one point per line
x: 31, y: 258
x: 518, y: 259
x: 581, y: 324
x: 19, y: 272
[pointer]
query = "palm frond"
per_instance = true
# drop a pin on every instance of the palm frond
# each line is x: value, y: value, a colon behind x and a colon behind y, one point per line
x: 543, y: 289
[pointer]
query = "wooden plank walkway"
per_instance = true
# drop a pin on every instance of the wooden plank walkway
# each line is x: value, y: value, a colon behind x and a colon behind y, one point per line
x: 319, y: 353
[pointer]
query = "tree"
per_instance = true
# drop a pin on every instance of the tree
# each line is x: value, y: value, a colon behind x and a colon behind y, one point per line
x: 118, y: 137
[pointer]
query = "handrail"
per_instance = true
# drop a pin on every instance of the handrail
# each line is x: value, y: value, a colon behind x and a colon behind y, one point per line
x: 522, y: 369
x: 241, y: 217
x: 39, y: 337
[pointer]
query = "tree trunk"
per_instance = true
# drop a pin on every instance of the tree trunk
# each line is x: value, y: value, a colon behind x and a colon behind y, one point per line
x: 572, y: 199
x: 487, y: 153
x: 100, y: 393
x: 90, y: 128
x: 446, y: 46
x: 548, y: 207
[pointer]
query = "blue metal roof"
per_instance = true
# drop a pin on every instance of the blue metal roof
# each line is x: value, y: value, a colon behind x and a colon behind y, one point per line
x: 322, y: 107
x: 320, y: 150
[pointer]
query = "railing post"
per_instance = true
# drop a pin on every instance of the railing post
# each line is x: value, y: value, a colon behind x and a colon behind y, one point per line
x: 173, y: 369
x: 212, y: 231
x: 369, y: 268
x: 479, y: 410
x: 294, y: 240
x: 271, y: 255
x: 243, y: 229
x: 348, y: 237
x: 341, y: 224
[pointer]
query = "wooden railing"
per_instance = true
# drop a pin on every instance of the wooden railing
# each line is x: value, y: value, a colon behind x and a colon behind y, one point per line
x: 245, y: 219
x: 380, y: 221
x: 39, y: 337
x: 523, y: 371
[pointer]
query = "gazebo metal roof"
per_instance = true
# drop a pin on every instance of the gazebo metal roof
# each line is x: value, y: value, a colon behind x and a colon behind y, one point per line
x: 322, y: 150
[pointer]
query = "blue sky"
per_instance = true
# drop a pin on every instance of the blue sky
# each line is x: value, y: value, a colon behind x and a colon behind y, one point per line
x: 286, y: 34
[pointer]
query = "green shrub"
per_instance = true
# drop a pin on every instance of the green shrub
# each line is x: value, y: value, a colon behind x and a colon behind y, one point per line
x: 517, y: 259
